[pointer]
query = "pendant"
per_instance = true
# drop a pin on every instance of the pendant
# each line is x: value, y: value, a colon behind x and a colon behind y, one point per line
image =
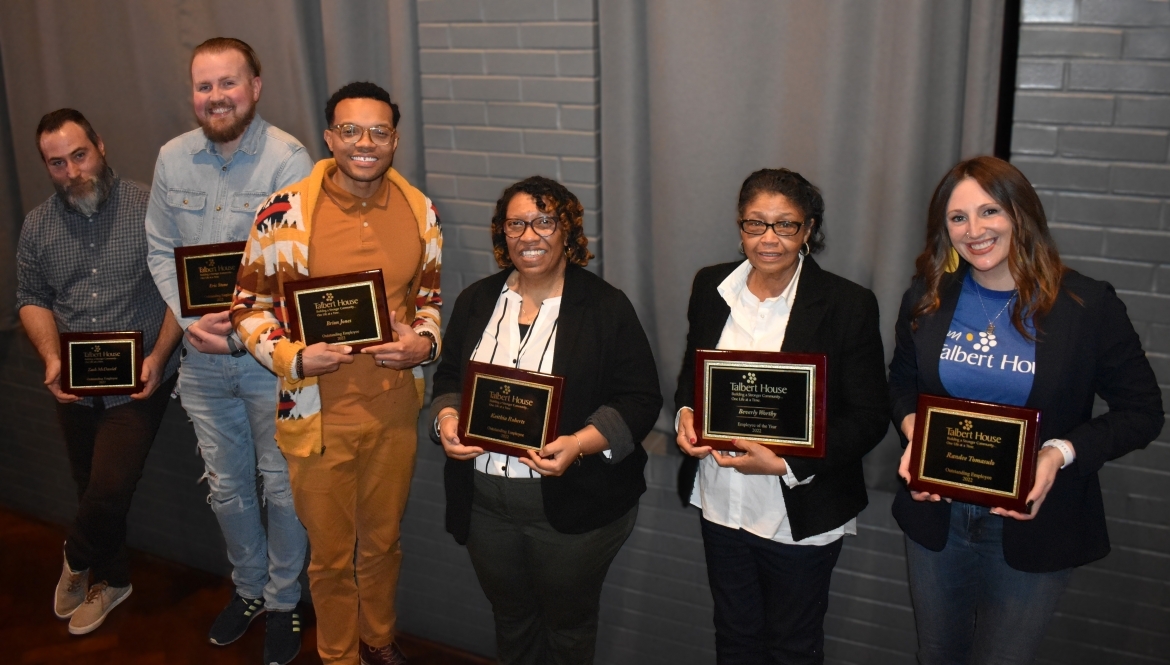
x: 990, y: 329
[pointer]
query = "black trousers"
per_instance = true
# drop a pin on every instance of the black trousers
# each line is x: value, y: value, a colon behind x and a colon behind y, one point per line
x: 770, y: 598
x: 107, y: 450
x: 544, y: 585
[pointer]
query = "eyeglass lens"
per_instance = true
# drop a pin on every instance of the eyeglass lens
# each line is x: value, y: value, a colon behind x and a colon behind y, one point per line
x: 351, y: 133
x: 543, y: 226
x: 755, y: 227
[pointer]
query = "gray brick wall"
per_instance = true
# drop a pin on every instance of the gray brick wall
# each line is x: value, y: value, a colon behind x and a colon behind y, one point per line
x: 1092, y: 132
x: 509, y: 90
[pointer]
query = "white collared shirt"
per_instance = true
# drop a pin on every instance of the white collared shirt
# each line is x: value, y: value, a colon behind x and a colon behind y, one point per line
x: 502, y: 344
x: 754, y: 503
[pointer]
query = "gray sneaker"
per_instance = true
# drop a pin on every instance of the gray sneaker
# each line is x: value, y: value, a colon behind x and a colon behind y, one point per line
x: 71, y: 589
x: 98, y: 602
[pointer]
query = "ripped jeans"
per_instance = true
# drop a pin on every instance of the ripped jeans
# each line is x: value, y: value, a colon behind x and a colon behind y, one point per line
x: 232, y: 403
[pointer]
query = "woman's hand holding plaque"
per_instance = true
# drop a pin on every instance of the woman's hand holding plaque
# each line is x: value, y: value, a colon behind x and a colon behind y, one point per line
x: 449, y: 437
x: 904, y: 465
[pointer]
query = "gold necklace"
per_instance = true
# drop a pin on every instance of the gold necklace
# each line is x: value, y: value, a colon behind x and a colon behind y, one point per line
x: 990, y: 321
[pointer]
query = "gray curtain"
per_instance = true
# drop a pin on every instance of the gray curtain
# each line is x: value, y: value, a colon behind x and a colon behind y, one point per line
x: 871, y: 101
x: 125, y: 65
x: 10, y: 213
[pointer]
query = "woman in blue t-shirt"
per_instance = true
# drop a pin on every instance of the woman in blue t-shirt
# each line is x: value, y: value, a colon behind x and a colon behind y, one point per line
x: 993, y: 315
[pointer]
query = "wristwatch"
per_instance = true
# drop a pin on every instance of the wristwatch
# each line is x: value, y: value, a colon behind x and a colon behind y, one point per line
x: 434, y: 347
x: 236, y: 350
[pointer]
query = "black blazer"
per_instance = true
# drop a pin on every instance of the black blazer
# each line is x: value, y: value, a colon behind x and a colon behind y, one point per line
x: 830, y: 315
x: 605, y: 358
x: 1082, y: 349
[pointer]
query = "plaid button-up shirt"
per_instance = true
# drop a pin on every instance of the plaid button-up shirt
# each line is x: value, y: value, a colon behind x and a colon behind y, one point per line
x: 91, y: 271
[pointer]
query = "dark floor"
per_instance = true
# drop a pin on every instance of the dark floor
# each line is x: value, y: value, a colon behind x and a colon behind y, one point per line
x: 164, y: 622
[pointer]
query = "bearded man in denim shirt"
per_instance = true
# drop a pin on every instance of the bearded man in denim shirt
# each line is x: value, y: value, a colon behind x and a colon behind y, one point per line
x: 208, y: 184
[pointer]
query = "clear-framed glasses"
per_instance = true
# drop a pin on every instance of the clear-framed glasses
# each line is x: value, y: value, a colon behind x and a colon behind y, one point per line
x: 542, y: 226
x: 755, y: 227
x: 351, y: 133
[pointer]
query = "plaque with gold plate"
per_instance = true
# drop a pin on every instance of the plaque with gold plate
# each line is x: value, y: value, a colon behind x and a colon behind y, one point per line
x: 976, y: 452
x: 101, y: 363
x: 508, y: 410
x: 774, y: 398
x: 207, y: 276
x: 339, y: 309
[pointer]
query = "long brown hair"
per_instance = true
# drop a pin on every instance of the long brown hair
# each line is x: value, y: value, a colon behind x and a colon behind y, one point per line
x: 1032, y: 258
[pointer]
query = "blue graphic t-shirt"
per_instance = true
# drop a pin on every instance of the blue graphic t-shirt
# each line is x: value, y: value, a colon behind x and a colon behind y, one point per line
x: 997, y: 367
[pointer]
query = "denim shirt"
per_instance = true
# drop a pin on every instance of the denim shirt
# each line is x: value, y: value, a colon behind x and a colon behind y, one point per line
x: 201, y: 197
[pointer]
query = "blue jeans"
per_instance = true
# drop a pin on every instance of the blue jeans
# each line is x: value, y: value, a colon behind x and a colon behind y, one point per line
x: 770, y: 598
x: 970, y: 607
x: 232, y: 402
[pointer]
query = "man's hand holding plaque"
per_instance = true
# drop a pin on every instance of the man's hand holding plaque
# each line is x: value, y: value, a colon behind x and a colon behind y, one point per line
x: 209, y: 333
x: 409, y: 350
x: 53, y: 381
x: 978, y: 453
x: 323, y: 358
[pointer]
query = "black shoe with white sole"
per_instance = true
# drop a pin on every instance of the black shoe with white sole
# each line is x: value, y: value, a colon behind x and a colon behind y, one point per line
x: 233, y: 621
x: 282, y: 642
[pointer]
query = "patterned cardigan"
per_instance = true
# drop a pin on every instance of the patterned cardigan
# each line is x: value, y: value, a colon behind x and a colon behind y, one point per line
x: 278, y: 252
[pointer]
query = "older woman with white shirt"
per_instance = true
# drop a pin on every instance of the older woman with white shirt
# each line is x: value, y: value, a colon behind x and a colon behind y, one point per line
x: 543, y: 529
x: 772, y: 526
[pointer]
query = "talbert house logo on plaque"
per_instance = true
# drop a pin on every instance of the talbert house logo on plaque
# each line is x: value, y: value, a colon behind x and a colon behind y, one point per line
x: 964, y: 437
x: 748, y: 392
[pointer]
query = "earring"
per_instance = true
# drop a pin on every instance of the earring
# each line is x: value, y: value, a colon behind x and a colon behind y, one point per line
x: 741, y: 247
x: 952, y: 263
x: 806, y: 249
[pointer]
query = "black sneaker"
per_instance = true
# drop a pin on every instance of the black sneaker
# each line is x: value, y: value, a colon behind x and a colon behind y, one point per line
x: 282, y: 642
x: 233, y: 621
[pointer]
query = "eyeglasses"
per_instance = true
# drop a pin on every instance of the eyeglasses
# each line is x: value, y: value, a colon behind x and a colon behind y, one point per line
x: 783, y: 228
x: 351, y: 133
x: 543, y: 226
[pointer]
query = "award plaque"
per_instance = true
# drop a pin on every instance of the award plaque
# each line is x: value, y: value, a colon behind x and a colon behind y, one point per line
x: 101, y: 363
x: 507, y: 410
x: 773, y: 398
x: 974, y: 451
x: 207, y: 276
x: 339, y: 309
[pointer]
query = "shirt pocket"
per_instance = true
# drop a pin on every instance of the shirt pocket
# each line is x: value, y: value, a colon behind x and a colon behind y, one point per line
x: 243, y: 207
x: 187, y: 207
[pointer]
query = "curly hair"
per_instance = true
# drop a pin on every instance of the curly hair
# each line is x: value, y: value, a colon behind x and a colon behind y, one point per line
x: 360, y: 90
x: 553, y: 199
x: 1033, y: 260
x: 792, y: 186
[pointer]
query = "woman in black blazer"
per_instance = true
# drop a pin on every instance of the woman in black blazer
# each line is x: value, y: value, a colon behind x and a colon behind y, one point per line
x: 542, y: 529
x: 986, y: 582
x: 772, y: 526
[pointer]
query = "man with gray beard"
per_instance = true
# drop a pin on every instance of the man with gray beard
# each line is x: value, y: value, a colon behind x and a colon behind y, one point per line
x: 81, y: 267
